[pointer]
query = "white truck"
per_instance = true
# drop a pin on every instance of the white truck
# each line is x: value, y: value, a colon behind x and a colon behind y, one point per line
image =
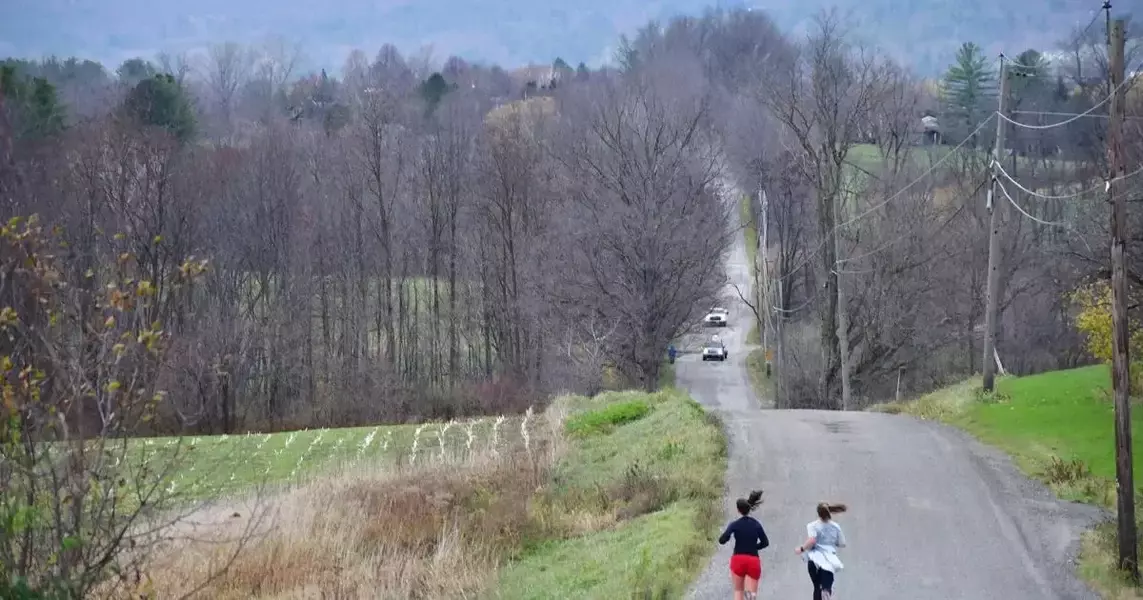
x: 717, y: 317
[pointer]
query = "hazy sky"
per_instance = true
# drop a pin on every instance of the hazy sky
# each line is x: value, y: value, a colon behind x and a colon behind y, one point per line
x: 924, y: 33
x: 509, y: 32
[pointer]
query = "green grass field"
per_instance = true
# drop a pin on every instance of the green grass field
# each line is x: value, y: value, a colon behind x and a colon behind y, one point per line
x: 207, y: 467
x: 671, y: 461
x: 1059, y: 428
x: 640, y: 482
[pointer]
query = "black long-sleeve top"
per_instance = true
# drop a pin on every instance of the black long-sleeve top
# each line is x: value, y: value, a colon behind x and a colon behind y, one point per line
x: 749, y: 536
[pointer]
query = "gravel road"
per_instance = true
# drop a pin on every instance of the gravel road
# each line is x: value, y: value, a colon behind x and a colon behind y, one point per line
x: 933, y: 514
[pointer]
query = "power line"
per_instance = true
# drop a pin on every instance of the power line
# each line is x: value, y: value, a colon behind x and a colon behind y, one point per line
x: 1061, y: 224
x: 1095, y: 13
x: 808, y: 302
x: 1100, y: 187
x: 896, y: 195
x: 908, y: 234
x: 1106, y: 99
x: 1048, y: 113
x: 1025, y: 213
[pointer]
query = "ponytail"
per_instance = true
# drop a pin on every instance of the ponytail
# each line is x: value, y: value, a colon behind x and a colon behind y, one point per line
x: 827, y: 510
x: 749, y: 503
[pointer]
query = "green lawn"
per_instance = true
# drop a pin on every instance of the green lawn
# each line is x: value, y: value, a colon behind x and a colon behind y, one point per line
x: 1065, y: 414
x: 1059, y: 428
x: 669, y: 465
x: 228, y: 465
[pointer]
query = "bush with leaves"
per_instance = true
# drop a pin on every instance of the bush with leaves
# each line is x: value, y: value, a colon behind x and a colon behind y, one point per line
x: 80, y: 360
x: 1093, y: 319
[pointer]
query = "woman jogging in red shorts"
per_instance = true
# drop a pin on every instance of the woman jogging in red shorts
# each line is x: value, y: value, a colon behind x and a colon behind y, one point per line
x: 749, y: 538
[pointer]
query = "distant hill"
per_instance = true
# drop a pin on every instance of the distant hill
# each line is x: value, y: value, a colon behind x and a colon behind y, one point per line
x: 927, y: 33
x: 510, y: 32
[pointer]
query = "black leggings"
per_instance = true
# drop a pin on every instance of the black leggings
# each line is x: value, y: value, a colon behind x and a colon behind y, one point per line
x: 823, y: 580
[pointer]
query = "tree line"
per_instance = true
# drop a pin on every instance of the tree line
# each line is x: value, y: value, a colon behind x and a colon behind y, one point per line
x: 414, y: 241
x: 225, y: 244
x: 392, y: 244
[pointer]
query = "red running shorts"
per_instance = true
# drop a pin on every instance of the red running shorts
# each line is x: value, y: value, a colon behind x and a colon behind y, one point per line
x: 745, y: 565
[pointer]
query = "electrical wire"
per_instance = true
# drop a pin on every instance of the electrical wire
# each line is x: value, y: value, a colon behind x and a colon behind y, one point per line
x: 1100, y: 187
x: 1129, y: 81
x: 1004, y: 191
x: 790, y: 311
x: 1095, y: 14
x: 885, y: 202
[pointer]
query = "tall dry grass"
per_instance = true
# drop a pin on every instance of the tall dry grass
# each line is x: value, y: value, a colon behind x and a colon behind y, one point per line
x: 430, y: 529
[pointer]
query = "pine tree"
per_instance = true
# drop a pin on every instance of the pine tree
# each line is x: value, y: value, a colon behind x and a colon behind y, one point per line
x: 33, y: 106
x: 968, y: 91
x: 160, y: 101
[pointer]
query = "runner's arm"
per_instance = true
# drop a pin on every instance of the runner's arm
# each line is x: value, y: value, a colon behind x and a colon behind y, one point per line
x: 809, y: 543
x: 763, y: 541
x: 725, y: 537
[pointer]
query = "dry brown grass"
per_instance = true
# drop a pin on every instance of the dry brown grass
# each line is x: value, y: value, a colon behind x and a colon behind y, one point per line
x: 429, y: 531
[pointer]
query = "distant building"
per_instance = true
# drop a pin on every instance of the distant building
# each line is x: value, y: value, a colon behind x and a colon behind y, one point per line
x: 932, y: 130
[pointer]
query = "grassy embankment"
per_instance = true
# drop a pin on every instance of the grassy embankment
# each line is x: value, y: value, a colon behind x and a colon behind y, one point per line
x: 1058, y: 428
x: 756, y: 358
x: 603, y: 496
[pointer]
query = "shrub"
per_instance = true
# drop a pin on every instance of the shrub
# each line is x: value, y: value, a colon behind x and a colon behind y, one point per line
x: 1093, y: 319
x: 1061, y: 471
x: 605, y: 419
x: 642, y: 491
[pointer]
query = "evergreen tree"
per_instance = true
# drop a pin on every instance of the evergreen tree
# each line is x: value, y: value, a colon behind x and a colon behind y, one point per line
x: 160, y: 101
x: 1030, y: 72
x: 32, y: 103
x: 134, y: 70
x: 326, y: 92
x: 968, y: 91
x: 433, y: 90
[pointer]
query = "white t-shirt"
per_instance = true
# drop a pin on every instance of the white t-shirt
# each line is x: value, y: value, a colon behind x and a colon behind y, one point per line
x: 828, y: 538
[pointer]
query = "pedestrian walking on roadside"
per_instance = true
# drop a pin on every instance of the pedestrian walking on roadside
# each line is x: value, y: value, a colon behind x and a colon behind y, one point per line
x: 749, y: 538
x: 823, y: 539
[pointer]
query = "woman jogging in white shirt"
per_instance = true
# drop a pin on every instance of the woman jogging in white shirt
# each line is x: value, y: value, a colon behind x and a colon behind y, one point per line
x: 824, y: 538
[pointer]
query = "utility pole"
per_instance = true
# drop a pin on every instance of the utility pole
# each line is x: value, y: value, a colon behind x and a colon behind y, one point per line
x: 992, y: 305
x: 762, y: 253
x: 779, y: 319
x: 764, y: 288
x: 842, y: 315
x: 1120, y: 361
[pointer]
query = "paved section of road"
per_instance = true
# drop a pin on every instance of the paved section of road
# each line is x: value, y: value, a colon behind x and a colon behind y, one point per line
x: 933, y: 514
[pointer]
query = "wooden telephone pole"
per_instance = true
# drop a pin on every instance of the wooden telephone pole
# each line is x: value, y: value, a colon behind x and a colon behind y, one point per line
x: 842, y: 317
x: 992, y: 305
x: 764, y: 287
x: 1120, y: 361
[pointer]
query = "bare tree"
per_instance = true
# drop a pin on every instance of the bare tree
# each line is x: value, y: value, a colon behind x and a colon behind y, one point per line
x: 826, y: 101
x: 82, y: 373
x: 656, y: 229
x: 177, y: 65
x: 227, y: 67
